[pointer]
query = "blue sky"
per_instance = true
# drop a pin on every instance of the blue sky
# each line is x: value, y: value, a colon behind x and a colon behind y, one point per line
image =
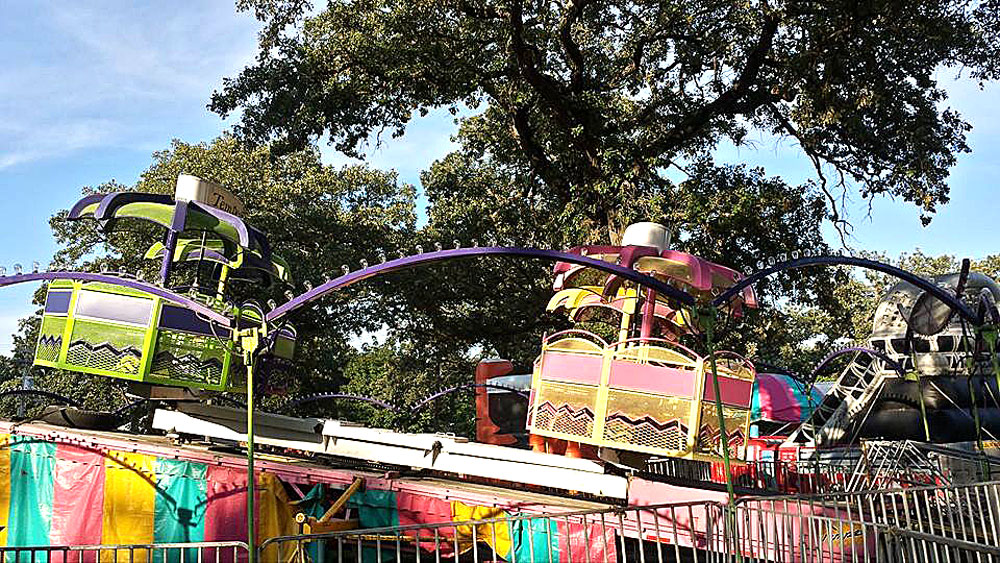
x: 87, y: 93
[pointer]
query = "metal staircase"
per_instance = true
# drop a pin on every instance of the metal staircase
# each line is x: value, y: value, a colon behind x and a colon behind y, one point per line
x: 850, y: 397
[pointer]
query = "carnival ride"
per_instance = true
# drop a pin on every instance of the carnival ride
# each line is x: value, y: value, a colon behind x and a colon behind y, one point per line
x: 624, y: 405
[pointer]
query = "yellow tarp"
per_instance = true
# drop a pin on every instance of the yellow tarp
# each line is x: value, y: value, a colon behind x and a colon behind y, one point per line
x: 275, y: 514
x: 4, y: 485
x: 129, y: 502
x: 495, y: 535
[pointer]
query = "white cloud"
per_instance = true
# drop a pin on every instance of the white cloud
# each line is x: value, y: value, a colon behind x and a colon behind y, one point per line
x: 100, y: 75
x: 28, y: 142
x: 159, y: 53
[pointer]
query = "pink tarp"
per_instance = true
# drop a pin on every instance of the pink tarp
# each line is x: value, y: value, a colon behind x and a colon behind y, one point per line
x: 225, y: 514
x: 78, y: 501
x: 780, y: 398
x: 420, y: 509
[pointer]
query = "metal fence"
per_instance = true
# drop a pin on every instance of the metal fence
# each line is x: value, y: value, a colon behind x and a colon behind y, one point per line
x: 653, y: 533
x: 785, y: 532
x: 968, y: 513
x: 194, y: 552
x: 776, y: 476
x: 780, y: 531
x: 877, y: 465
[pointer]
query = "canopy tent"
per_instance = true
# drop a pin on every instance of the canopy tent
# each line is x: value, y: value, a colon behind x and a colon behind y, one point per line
x: 782, y: 399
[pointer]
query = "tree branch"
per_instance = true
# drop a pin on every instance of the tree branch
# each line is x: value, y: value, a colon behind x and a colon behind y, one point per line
x: 539, y: 161
x: 574, y: 57
x: 839, y: 223
x: 727, y: 103
x: 551, y: 92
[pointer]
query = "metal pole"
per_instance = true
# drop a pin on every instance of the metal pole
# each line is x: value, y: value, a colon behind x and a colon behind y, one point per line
x: 251, y: 480
x: 708, y: 321
x: 249, y: 342
x: 168, y: 257
x: 26, y: 383
x: 708, y: 318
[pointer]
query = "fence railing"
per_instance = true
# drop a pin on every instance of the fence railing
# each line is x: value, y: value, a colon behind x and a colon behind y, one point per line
x: 969, y: 513
x: 796, y: 477
x: 781, y: 532
x: 192, y: 552
x: 786, y: 532
x: 770, y: 475
x: 825, y: 473
x: 652, y: 533
x: 798, y: 534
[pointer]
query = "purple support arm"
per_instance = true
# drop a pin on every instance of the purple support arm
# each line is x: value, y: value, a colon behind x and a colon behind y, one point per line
x: 224, y: 216
x: 84, y: 203
x: 111, y: 202
x: 430, y: 257
x: 198, y: 308
x: 942, y: 294
x: 170, y: 245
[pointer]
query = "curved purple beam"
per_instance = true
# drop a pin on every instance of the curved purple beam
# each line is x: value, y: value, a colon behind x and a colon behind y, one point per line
x: 123, y: 282
x: 411, y: 261
x: 860, y: 350
x: 944, y: 295
x: 323, y: 396
x: 456, y: 388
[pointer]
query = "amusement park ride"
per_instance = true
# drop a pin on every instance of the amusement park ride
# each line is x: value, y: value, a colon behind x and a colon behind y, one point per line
x: 596, y: 412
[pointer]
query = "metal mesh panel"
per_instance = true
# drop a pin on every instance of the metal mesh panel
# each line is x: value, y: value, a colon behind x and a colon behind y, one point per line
x: 117, y: 336
x: 188, y: 358
x: 108, y: 347
x: 104, y: 357
x: 671, y: 438
x: 709, y: 436
x: 566, y: 409
x: 50, y: 339
x: 630, y: 420
x: 574, y: 423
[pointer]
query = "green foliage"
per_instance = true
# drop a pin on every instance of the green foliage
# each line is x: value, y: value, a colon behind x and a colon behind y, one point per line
x: 570, y: 114
x: 596, y: 99
x: 733, y: 215
x: 404, y: 378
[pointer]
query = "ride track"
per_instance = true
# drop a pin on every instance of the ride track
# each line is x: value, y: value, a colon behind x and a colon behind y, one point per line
x: 307, y: 298
x: 938, y: 292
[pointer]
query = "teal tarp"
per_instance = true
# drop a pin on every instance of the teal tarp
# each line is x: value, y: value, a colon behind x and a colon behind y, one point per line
x: 536, y: 540
x: 312, y: 505
x: 32, y: 471
x: 181, y: 498
x: 376, y: 509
